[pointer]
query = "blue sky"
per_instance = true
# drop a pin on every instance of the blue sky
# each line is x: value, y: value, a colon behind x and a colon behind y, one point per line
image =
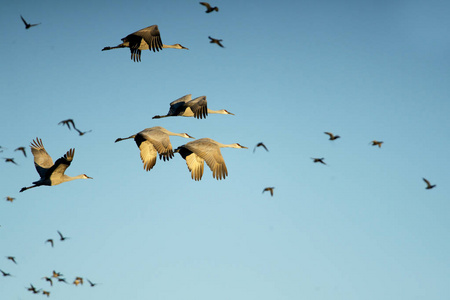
x: 361, y: 227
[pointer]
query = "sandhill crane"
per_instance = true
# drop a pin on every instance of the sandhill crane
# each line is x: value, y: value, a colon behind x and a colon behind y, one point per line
x: 153, y: 141
x: 28, y: 25
x: 215, y: 41
x: 377, y: 143
x: 82, y: 132
x: 10, y: 199
x: 67, y: 122
x: 269, y: 189
x: 33, y: 289
x: 61, y: 237
x: 318, y: 160
x: 51, y: 174
x: 47, y: 293
x: 78, y: 280
x: 11, y: 160
x: 429, y: 186
x: 332, y: 136
x: 12, y: 258
x: 148, y: 38
x: 92, y: 284
x: 62, y: 280
x: 188, y: 107
x: 209, y: 8
x: 21, y: 149
x: 50, y: 241
x: 198, y: 151
x: 48, y: 279
x: 5, y: 274
x: 56, y: 274
x: 260, y: 144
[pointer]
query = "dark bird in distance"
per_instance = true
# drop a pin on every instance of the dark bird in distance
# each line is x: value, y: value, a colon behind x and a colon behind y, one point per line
x: 10, y: 199
x: 429, y: 186
x: 12, y: 258
x: 318, y: 160
x: 209, y: 8
x: 188, y: 107
x: 332, y: 136
x: 82, y: 132
x: 269, y: 189
x: 67, y: 122
x: 28, y: 25
x: 78, y: 280
x: 11, y: 160
x: 50, y: 241
x: 56, y: 274
x: 92, y: 284
x: 62, y: 280
x: 5, y: 274
x: 260, y: 144
x: 47, y: 293
x: 148, y: 38
x: 377, y: 143
x: 51, y: 174
x: 21, y: 149
x: 33, y: 289
x: 215, y: 41
x: 48, y: 279
x: 153, y: 141
x: 61, y: 237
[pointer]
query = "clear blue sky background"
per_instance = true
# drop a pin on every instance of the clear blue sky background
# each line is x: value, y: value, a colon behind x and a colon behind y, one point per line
x: 362, y: 227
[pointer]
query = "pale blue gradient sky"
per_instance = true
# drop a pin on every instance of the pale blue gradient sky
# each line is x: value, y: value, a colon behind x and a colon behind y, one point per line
x: 362, y: 227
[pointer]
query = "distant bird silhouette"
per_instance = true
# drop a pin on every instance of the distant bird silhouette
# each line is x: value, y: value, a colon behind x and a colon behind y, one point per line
x: 78, y: 280
x: 61, y: 237
x: 51, y: 174
x: 197, y: 152
x: 429, y: 186
x: 153, y: 141
x: 10, y: 199
x: 377, y: 143
x: 62, y: 280
x: 188, y: 107
x: 21, y: 149
x: 11, y: 160
x: 148, y: 38
x: 332, y: 136
x: 48, y: 279
x: 50, y: 241
x: 68, y: 123
x: 12, y: 258
x: 209, y: 8
x: 260, y: 144
x: 318, y: 160
x: 269, y: 189
x: 28, y: 25
x: 5, y: 274
x: 215, y: 41
x: 47, y: 293
x: 82, y: 132
x: 91, y: 283
x: 33, y: 289
x: 56, y: 274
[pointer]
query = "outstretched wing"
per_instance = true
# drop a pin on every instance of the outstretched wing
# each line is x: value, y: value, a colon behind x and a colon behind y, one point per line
x: 42, y: 161
x: 199, y: 107
x: 149, y: 34
x: 61, y: 164
x: 212, y: 156
x: 23, y: 20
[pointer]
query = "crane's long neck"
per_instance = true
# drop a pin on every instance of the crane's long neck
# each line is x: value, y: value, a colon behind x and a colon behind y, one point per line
x: 121, y: 139
x: 174, y: 46
x: 185, y: 135
x: 220, y: 111
x: 70, y: 178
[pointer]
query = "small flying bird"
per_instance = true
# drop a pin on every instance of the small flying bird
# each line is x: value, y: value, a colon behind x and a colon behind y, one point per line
x: 51, y: 174
x: 269, y: 189
x: 21, y: 149
x: 11, y: 160
x: 376, y: 143
x: 62, y: 280
x: 28, y: 25
x: 56, y: 274
x: 10, y: 199
x: 205, y: 150
x: 429, y: 186
x: 78, y: 280
x: 153, y: 141
x: 215, y: 41
x: 12, y: 258
x: 61, y: 237
x: 320, y: 160
x: 67, y: 122
x: 48, y: 279
x: 188, y: 107
x: 47, y: 293
x: 5, y: 274
x: 91, y: 283
x: 50, y: 241
x: 33, y: 289
x: 260, y: 144
x: 332, y: 136
x: 82, y: 132
x: 148, y: 38
x: 209, y: 8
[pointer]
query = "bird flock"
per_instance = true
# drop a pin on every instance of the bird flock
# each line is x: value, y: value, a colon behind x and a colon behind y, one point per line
x: 152, y: 142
